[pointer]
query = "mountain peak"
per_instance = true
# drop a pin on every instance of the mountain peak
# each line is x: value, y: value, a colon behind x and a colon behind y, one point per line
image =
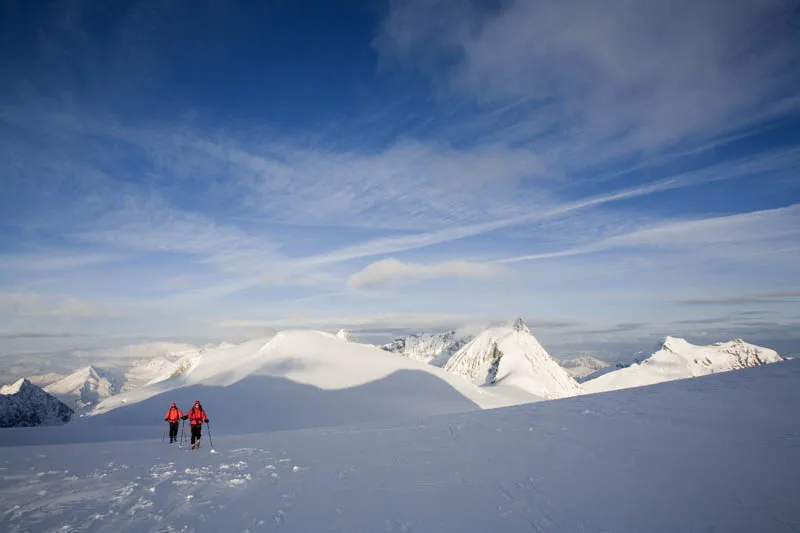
x: 24, y: 404
x: 505, y: 358
x: 674, y: 344
x: 679, y: 359
x: 519, y: 325
x: 343, y: 334
x: 14, y: 388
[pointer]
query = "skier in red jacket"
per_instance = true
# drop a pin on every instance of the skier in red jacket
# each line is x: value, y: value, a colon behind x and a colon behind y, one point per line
x: 196, y: 416
x: 173, y: 416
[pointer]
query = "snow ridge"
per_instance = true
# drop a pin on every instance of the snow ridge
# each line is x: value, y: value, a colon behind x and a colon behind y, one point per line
x: 679, y: 359
x: 23, y: 404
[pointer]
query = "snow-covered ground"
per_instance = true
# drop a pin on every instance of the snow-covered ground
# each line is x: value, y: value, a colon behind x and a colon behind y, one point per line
x: 679, y: 359
x: 717, y: 453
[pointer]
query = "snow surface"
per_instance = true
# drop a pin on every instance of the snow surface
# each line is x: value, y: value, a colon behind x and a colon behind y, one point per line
x: 718, y: 453
x: 84, y: 387
x: 343, y: 334
x: 23, y: 404
x: 679, y: 359
x: 432, y: 348
x: 511, y: 357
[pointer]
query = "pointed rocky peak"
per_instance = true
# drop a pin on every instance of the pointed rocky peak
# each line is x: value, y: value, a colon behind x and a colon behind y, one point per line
x: 343, y: 334
x: 520, y: 326
x: 14, y: 388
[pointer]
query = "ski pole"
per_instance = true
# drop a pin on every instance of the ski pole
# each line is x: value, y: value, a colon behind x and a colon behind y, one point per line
x: 183, y: 423
x: 164, y: 434
x: 211, y: 442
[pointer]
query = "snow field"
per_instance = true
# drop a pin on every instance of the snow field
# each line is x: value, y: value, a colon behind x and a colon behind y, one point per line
x: 717, y: 453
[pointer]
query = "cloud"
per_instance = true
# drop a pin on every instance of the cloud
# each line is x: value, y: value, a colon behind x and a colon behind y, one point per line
x: 46, y: 260
x: 10, y: 335
x: 372, y: 322
x: 774, y: 297
x: 394, y: 323
x: 409, y: 242
x: 34, y: 305
x: 638, y: 73
x: 391, y: 272
x: 759, y: 230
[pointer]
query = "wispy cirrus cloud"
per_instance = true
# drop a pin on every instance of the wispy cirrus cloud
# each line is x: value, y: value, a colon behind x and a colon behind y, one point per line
x: 640, y: 74
x: 22, y: 304
x: 758, y: 230
x: 40, y: 335
x: 51, y: 260
x: 772, y: 297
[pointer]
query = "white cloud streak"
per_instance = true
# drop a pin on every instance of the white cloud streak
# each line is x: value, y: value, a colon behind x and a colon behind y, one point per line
x: 742, y: 235
x: 378, y: 321
x: 23, y: 304
x: 391, y: 272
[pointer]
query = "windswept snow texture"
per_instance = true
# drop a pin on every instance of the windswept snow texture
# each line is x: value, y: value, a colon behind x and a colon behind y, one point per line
x: 432, y: 348
x: 719, y: 453
x: 23, y: 404
x: 678, y: 359
x: 84, y: 387
x: 523, y: 363
x: 582, y: 366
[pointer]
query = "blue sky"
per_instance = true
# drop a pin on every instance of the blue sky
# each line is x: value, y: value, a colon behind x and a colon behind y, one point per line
x: 200, y: 171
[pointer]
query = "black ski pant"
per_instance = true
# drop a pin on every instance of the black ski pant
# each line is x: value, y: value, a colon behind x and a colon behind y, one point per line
x: 173, y: 431
x: 197, y: 429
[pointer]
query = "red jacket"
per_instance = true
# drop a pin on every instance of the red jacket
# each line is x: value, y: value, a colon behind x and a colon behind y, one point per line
x: 173, y: 414
x: 196, y: 415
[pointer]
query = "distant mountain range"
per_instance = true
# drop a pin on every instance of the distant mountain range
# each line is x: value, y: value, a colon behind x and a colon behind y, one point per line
x: 679, y: 359
x: 503, y: 365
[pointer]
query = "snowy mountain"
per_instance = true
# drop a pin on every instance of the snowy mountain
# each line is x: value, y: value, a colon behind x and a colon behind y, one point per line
x: 343, y: 334
x: 84, y: 387
x: 582, y: 366
x: 304, y: 379
x: 679, y: 359
x: 511, y: 356
x: 431, y: 348
x: 23, y: 404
